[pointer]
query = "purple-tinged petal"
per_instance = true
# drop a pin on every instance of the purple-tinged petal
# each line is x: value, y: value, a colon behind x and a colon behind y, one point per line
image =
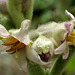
x: 22, y: 33
x: 3, y: 32
x: 67, y: 26
x: 69, y: 15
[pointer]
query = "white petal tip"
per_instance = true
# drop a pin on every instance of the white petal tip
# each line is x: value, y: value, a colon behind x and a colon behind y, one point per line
x: 25, y: 24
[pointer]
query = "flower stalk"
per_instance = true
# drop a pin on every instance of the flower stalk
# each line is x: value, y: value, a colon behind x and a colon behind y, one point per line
x: 29, y: 12
x: 15, y: 10
x: 35, y: 69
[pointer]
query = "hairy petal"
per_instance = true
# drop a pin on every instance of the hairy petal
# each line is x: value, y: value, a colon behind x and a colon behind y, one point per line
x: 22, y: 33
x: 34, y: 57
x: 47, y: 26
x: 3, y: 32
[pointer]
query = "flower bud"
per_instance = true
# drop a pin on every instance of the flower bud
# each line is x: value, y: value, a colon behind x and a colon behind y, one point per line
x: 43, y: 46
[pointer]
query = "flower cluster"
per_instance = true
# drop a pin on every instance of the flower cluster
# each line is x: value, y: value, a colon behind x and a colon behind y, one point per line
x: 40, y: 46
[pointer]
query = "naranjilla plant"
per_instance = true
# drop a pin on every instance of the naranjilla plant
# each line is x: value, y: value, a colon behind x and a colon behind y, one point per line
x: 39, y: 51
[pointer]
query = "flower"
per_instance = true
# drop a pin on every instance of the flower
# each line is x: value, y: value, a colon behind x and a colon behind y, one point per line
x: 41, y: 46
x: 53, y: 40
x: 15, y: 41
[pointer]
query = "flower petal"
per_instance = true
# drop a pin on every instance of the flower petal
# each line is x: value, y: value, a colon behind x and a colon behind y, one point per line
x: 22, y: 33
x: 61, y: 48
x: 21, y: 59
x: 34, y: 57
x: 69, y: 27
x: 3, y: 32
x: 3, y: 48
x: 69, y: 15
x: 47, y: 26
x: 66, y: 53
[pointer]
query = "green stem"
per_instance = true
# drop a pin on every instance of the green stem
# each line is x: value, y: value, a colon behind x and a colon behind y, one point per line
x: 60, y: 64
x: 14, y: 8
x: 35, y: 69
x: 29, y: 11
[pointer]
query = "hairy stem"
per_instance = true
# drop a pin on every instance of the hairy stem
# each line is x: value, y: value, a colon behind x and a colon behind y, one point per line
x: 60, y: 64
x: 35, y: 69
x: 29, y: 11
x: 14, y: 8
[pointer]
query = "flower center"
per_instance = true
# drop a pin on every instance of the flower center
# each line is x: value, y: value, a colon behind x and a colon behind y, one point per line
x: 71, y: 38
x: 16, y: 45
x: 45, y: 57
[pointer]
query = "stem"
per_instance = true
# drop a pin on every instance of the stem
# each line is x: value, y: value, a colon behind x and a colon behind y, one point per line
x: 14, y: 9
x: 35, y: 69
x: 60, y: 64
x: 29, y: 11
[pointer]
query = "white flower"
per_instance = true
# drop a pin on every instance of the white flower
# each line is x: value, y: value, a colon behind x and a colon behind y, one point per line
x: 41, y: 46
x: 15, y: 41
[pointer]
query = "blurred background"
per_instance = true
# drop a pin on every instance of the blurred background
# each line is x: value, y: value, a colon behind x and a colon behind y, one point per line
x: 44, y: 11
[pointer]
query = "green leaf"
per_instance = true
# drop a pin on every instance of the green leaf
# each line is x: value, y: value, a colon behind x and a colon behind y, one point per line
x: 14, y: 9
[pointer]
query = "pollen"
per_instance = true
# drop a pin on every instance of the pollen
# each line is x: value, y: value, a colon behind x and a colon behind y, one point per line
x: 16, y: 45
x: 71, y: 38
